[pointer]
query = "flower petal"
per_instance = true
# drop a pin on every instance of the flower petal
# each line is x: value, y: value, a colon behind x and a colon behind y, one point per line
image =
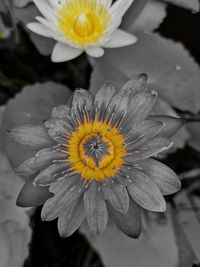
x: 82, y: 105
x: 39, y: 29
x: 95, y: 208
x: 39, y: 161
x: 103, y: 98
x: 171, y: 124
x: 139, y: 108
x: 71, y: 219
x: 142, y: 132
x: 63, y: 52
x: 31, y: 196
x: 145, y: 192
x: 149, y: 149
x: 66, y: 192
x: 45, y: 9
x: 34, y: 136
x: 129, y: 223
x: 116, y: 195
x: 95, y: 51
x: 48, y: 175
x: 120, y: 38
x: 164, y: 177
x: 138, y: 83
x: 60, y: 112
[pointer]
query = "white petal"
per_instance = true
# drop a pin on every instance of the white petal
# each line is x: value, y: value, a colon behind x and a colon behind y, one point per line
x: 63, y: 52
x: 39, y: 29
x: 95, y: 51
x: 45, y: 8
x: 120, y: 38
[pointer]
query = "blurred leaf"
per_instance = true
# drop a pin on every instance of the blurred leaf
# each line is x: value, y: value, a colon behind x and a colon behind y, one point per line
x: 172, y: 71
x: 33, y: 105
x: 149, y: 18
x: 15, y: 233
x: 194, y: 130
x: 189, y: 222
x: 26, y: 15
x: 133, y: 12
x: 189, y: 4
x: 21, y: 3
x: 156, y: 246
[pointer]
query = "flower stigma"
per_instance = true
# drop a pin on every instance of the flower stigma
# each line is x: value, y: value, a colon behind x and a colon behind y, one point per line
x: 95, y: 150
x: 83, y: 23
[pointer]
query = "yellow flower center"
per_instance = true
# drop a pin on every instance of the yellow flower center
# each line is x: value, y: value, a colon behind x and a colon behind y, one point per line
x: 96, y: 151
x: 83, y: 22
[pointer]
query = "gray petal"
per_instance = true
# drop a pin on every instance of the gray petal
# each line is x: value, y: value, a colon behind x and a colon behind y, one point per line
x: 41, y: 160
x: 59, y: 130
x: 145, y: 192
x: 96, y: 210
x: 103, y: 98
x: 129, y: 223
x: 142, y: 132
x: 139, y: 108
x: 34, y: 136
x: 149, y: 149
x: 82, y: 105
x: 71, y: 219
x: 164, y: 177
x: 66, y: 192
x: 138, y: 83
x: 60, y: 112
x: 48, y: 175
x: 116, y: 194
x: 171, y: 124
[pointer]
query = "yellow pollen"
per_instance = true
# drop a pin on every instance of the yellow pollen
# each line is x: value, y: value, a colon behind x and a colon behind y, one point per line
x: 83, y: 22
x: 109, y: 162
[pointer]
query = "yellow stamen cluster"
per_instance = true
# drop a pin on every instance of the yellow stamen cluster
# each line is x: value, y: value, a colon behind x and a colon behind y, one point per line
x: 110, y: 163
x: 84, y: 22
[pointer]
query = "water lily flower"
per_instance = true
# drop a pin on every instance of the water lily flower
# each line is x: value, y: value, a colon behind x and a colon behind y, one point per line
x: 95, y: 158
x: 82, y: 25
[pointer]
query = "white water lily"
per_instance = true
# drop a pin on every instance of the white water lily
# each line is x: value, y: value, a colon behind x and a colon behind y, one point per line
x: 82, y: 25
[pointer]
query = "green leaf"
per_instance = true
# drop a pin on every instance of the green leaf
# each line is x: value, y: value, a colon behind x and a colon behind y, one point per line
x: 194, y: 130
x: 156, y: 246
x: 22, y: 3
x: 32, y: 106
x: 171, y: 70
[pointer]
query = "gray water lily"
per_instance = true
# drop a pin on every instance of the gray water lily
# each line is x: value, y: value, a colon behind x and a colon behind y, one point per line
x: 95, y: 159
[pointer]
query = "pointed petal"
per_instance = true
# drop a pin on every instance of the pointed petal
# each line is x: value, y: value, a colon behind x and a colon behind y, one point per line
x: 95, y: 51
x: 103, y: 98
x: 95, y: 208
x: 82, y: 105
x: 142, y: 132
x: 43, y: 158
x: 138, y: 83
x: 45, y: 9
x: 120, y: 38
x: 116, y: 195
x: 145, y: 192
x: 164, y: 177
x: 48, y: 175
x: 60, y: 112
x: 63, y: 52
x: 71, y: 219
x: 58, y: 129
x: 120, y: 7
x: 171, y: 124
x: 129, y: 223
x: 39, y: 29
x: 65, y: 193
x: 34, y: 136
x: 31, y: 196
x: 149, y: 149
